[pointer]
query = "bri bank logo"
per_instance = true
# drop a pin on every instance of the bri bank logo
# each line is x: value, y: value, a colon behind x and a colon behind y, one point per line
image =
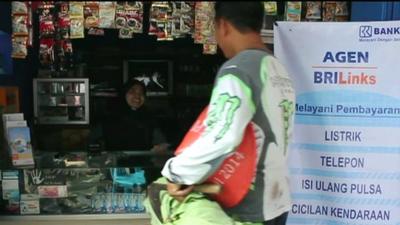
x: 365, y: 31
x: 372, y: 33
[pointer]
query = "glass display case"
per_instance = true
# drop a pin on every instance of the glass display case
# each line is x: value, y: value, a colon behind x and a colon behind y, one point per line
x: 80, y: 186
x: 61, y: 101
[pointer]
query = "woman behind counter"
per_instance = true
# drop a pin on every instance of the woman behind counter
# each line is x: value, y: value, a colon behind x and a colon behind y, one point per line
x: 132, y: 126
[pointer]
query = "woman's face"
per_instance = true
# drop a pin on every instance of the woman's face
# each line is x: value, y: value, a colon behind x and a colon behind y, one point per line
x: 135, y: 96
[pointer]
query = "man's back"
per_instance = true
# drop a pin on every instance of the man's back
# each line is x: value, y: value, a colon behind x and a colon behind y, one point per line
x: 273, y: 98
x: 252, y: 87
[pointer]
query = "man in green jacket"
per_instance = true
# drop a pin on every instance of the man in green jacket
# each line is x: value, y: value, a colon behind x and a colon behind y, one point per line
x: 251, y: 87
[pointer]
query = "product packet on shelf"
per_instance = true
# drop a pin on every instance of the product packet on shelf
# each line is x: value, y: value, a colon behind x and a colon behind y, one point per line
x: 29, y: 204
x: 76, y: 9
x: 91, y: 14
x: 19, y: 140
x: 313, y: 10
x: 161, y: 20
x: 21, y: 28
x: 77, y: 28
x: 19, y: 47
x: 9, y: 183
x: 134, y: 16
x: 46, y: 23
x: 46, y: 52
x: 107, y: 14
x: 182, y: 19
x: 120, y: 20
x: 20, y: 24
x: 271, y: 8
x: 187, y: 10
x: 76, y: 20
x: 329, y: 10
x: 342, y: 11
x: 293, y: 11
x: 209, y: 49
x: 63, y: 20
x: 65, y: 57
x: 19, y: 7
x: 125, y: 33
x: 204, y: 23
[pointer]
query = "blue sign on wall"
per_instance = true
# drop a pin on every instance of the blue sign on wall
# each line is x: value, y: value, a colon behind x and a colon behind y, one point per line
x: 5, y: 54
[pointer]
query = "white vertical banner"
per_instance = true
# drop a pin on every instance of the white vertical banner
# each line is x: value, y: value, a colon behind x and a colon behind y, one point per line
x: 345, y: 155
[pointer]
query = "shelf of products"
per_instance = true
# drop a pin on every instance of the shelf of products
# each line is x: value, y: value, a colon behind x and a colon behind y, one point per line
x: 61, y: 101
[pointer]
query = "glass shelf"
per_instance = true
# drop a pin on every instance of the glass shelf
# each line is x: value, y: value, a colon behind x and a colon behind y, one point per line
x: 61, y: 101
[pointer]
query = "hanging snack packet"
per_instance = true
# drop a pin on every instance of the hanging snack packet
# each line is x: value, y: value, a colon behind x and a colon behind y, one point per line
x: 187, y: 23
x: 19, y: 7
x: 67, y: 51
x: 188, y: 9
x: 313, y: 11
x: 342, y: 11
x: 134, y: 20
x: 76, y: 20
x: 161, y: 21
x: 176, y: 19
x: 125, y: 33
x: 64, y: 24
x: 120, y: 20
x: 91, y: 14
x: 106, y: 14
x: 63, y: 20
x: 183, y: 19
x: 168, y: 31
x: 176, y: 7
x: 160, y: 11
x: 76, y: 9
x: 210, y: 49
x: 46, y: 23
x: 329, y: 11
x: 162, y: 33
x: 293, y: 11
x: 204, y: 25
x: 134, y: 5
x: 20, y: 18
x: 77, y: 28
x: 19, y: 47
x: 153, y: 29
x: 177, y: 27
x: 46, y: 52
x: 271, y: 8
x: 62, y: 7
x: 21, y: 28
x: 20, y: 24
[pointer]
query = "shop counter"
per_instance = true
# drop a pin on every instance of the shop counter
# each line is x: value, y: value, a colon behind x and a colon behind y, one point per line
x: 80, y: 188
x: 102, y: 219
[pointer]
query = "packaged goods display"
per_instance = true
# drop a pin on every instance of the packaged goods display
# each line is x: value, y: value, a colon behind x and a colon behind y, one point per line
x: 204, y: 27
x: 21, y: 19
x: 293, y: 11
x: 271, y: 8
x: 313, y: 10
x: 170, y: 20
